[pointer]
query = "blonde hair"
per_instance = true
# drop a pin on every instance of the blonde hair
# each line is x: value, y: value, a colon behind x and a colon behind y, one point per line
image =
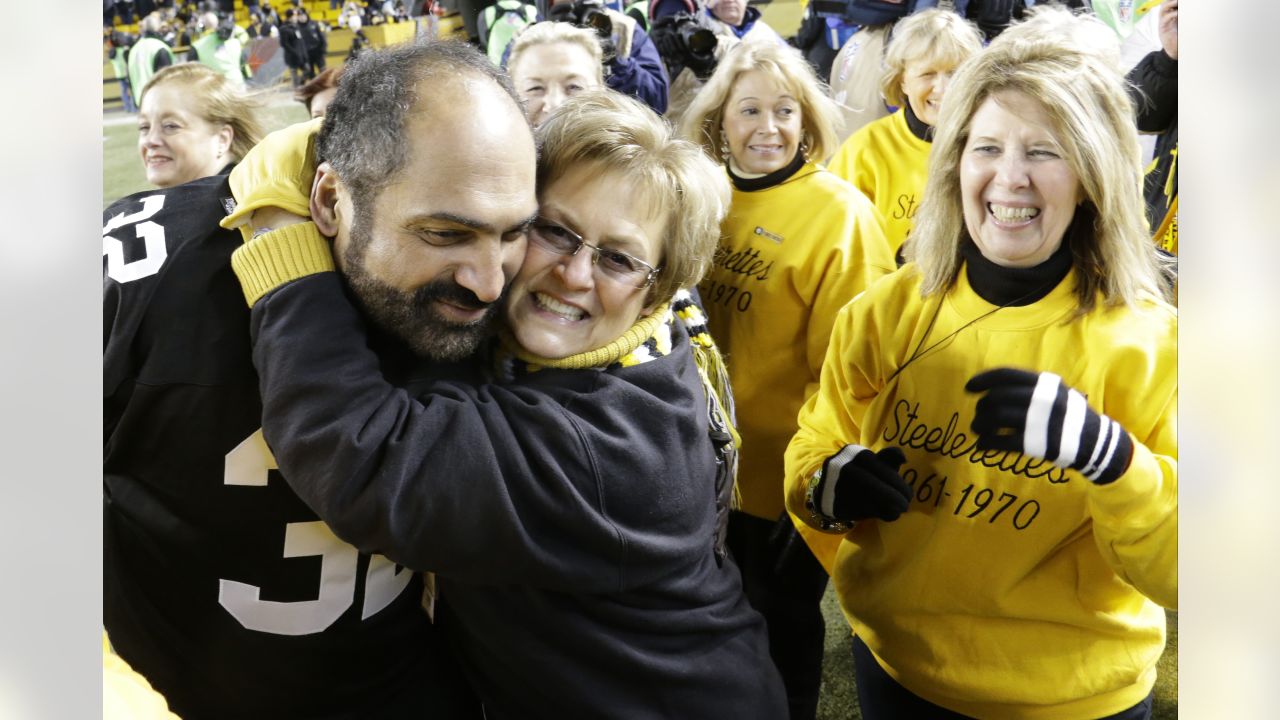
x: 934, y: 36
x: 671, y: 175
x: 1086, y: 32
x: 550, y: 33
x: 1091, y: 116
x: 819, y: 115
x: 220, y: 102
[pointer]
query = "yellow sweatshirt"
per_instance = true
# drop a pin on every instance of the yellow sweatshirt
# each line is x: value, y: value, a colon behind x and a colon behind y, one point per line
x: 790, y: 256
x: 889, y: 164
x: 1010, y: 588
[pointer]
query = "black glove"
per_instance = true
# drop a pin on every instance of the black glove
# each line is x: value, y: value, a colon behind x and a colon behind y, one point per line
x: 856, y: 484
x: 1038, y: 415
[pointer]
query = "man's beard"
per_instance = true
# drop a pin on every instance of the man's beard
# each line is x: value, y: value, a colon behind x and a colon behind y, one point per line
x: 411, y: 316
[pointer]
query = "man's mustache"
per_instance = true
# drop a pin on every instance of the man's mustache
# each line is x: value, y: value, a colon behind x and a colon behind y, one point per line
x: 450, y: 292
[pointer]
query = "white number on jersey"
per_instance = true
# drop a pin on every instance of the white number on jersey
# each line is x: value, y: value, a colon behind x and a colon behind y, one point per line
x: 247, y: 465
x: 151, y: 234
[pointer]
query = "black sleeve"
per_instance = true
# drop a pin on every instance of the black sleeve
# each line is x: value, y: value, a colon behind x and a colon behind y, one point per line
x: 642, y: 75
x: 163, y: 60
x: 1155, y: 91
x: 483, y: 483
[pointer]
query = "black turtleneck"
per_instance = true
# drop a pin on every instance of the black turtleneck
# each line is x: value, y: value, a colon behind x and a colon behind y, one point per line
x: 1014, y: 287
x: 777, y: 177
x: 918, y: 127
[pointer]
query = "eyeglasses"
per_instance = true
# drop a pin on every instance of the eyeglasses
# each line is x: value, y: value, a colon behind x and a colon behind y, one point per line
x: 613, y: 264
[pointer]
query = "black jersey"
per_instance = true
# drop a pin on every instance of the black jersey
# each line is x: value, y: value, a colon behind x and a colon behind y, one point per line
x: 219, y: 584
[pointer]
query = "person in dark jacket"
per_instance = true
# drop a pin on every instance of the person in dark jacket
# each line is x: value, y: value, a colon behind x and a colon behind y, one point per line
x: 574, y: 506
x: 632, y: 64
x: 314, y: 43
x: 293, y: 46
x: 1155, y: 83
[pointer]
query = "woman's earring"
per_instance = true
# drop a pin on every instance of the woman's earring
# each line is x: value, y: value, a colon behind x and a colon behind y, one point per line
x: 804, y: 145
x: 724, y: 149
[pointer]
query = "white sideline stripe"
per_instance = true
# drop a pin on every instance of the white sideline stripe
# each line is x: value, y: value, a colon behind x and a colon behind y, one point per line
x: 1035, y: 438
x: 1072, y: 428
x: 827, y: 503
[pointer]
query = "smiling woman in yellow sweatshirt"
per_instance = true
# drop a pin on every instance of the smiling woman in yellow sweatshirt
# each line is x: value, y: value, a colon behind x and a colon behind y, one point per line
x: 995, y: 435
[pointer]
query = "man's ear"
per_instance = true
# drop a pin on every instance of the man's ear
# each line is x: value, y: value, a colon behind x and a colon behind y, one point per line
x: 324, y: 200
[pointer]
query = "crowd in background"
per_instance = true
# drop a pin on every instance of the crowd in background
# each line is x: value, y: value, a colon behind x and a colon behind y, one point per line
x: 944, y: 287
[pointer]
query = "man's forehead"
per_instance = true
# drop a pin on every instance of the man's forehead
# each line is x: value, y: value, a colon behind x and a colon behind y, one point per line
x: 456, y: 92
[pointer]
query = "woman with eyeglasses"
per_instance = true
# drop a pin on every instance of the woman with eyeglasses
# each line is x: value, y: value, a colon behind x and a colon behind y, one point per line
x: 573, y: 508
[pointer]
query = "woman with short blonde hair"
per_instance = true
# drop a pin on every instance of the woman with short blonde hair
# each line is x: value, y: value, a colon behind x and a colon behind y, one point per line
x: 888, y: 158
x: 552, y: 61
x: 192, y: 123
x: 668, y: 175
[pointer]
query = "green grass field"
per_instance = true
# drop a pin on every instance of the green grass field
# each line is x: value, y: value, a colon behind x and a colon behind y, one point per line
x: 122, y: 175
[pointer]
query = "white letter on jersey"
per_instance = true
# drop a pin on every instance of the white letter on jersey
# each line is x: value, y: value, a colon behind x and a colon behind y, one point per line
x: 247, y: 465
x: 151, y: 234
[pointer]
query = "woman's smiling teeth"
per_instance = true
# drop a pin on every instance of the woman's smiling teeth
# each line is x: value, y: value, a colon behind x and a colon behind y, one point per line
x: 1007, y: 214
x: 550, y: 304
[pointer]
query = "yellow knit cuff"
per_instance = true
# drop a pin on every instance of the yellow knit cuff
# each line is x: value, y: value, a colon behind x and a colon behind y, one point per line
x: 280, y: 256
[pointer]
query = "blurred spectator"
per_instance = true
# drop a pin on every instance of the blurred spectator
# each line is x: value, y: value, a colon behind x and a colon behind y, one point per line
x: 498, y: 24
x: 294, y: 47
x: 690, y: 50
x: 314, y: 43
x: 632, y: 63
x: 888, y: 159
x: 257, y: 28
x: 1155, y: 81
x: 350, y: 10
x: 188, y: 12
x: 270, y: 16
x: 117, y: 44
x: 735, y: 17
x: 553, y: 61
x: 223, y: 47
x: 193, y: 122
x: 317, y: 94
x: 816, y: 39
x: 359, y: 41
x: 148, y: 55
x: 855, y: 75
x: 124, y: 8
